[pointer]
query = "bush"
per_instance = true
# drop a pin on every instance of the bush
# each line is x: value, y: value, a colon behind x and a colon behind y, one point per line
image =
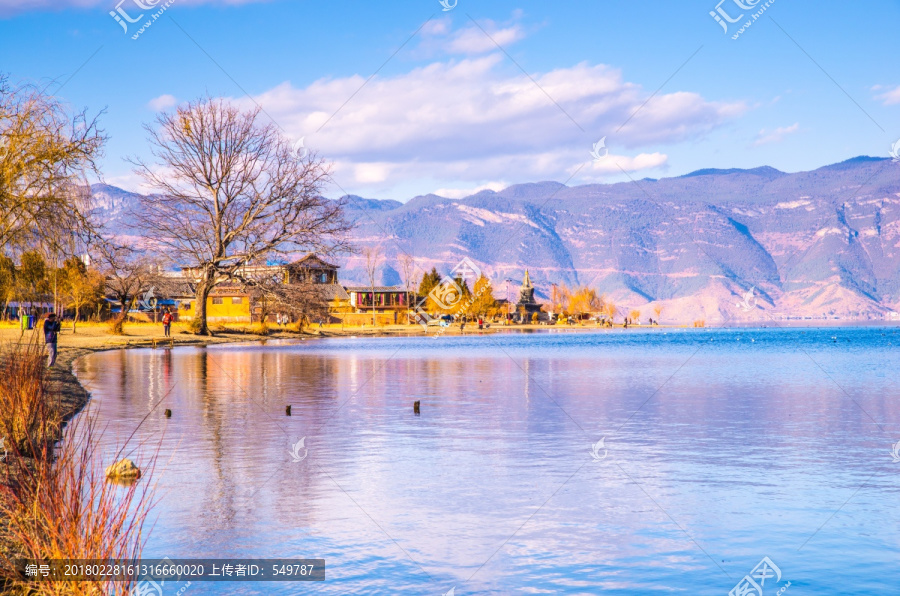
x: 194, y: 326
x: 117, y: 325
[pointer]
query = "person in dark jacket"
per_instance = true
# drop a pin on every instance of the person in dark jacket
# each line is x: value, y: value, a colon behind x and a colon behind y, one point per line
x: 52, y: 327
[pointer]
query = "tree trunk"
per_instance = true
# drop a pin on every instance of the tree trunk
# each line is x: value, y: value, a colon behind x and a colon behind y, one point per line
x: 263, y: 310
x: 75, y: 320
x: 123, y: 306
x: 203, y: 290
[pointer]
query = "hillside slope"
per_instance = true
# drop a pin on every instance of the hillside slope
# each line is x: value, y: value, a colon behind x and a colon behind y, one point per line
x: 819, y: 244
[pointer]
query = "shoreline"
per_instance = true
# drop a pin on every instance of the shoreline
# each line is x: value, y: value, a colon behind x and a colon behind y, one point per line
x: 73, y: 396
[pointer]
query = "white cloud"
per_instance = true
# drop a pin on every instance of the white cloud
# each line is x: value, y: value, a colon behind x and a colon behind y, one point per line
x: 473, y: 40
x: 162, y: 103
x: 436, y: 27
x: 890, y: 97
x: 129, y: 181
x: 614, y: 164
x: 438, y: 37
x: 367, y: 173
x: 776, y: 136
x: 478, y: 119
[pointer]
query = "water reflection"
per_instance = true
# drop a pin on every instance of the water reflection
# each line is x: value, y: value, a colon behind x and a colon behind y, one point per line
x: 721, y: 451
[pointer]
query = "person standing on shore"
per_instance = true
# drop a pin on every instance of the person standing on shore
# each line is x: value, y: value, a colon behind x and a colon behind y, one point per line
x: 52, y: 327
x: 167, y: 323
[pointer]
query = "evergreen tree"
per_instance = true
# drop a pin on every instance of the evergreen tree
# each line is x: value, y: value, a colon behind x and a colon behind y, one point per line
x: 429, y: 281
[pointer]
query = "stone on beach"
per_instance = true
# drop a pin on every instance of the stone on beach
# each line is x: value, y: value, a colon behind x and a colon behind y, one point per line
x: 124, y: 469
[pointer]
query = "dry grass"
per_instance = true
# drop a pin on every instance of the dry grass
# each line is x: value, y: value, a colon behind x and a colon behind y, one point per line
x: 194, y: 326
x: 29, y: 423
x: 117, y: 325
x: 57, y: 503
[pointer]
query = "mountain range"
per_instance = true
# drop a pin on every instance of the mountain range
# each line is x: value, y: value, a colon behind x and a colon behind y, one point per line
x: 716, y: 245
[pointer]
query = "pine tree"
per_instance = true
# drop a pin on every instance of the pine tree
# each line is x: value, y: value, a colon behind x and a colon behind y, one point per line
x: 429, y: 281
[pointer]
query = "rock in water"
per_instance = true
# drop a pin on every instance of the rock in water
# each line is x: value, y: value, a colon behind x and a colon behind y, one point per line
x: 124, y: 469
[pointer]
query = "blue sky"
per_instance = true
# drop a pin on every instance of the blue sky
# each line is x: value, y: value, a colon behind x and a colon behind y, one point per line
x: 806, y: 85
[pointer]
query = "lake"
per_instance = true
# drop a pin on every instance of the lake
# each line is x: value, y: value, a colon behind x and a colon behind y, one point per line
x: 720, y: 448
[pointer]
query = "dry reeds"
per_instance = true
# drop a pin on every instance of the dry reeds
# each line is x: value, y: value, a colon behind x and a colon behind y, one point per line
x: 29, y: 422
x: 57, y: 503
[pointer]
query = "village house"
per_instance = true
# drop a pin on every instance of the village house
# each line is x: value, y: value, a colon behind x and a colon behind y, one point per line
x: 390, y: 303
x: 351, y: 304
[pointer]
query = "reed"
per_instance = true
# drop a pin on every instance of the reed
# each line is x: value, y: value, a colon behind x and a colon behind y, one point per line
x: 29, y: 420
x: 56, y: 501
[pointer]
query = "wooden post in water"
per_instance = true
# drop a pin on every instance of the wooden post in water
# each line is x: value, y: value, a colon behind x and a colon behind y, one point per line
x: 168, y: 413
x: 287, y: 410
x: 416, y: 408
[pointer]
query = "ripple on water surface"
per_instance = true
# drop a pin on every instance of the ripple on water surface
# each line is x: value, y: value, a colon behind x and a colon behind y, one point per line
x: 720, y: 447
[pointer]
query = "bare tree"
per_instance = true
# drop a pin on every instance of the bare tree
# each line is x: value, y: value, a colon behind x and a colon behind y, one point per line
x: 556, y: 298
x: 45, y: 151
x: 230, y: 191
x: 128, y: 272
x: 303, y: 301
x: 373, y: 261
x: 611, y: 310
x: 407, y: 267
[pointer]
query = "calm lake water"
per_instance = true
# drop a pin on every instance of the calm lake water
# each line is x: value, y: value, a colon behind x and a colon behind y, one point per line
x: 721, y: 447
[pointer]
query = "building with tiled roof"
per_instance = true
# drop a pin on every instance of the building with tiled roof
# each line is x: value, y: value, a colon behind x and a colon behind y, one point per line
x: 234, y: 303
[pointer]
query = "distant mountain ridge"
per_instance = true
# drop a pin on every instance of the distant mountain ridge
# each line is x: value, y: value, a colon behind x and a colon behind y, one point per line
x: 818, y: 244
